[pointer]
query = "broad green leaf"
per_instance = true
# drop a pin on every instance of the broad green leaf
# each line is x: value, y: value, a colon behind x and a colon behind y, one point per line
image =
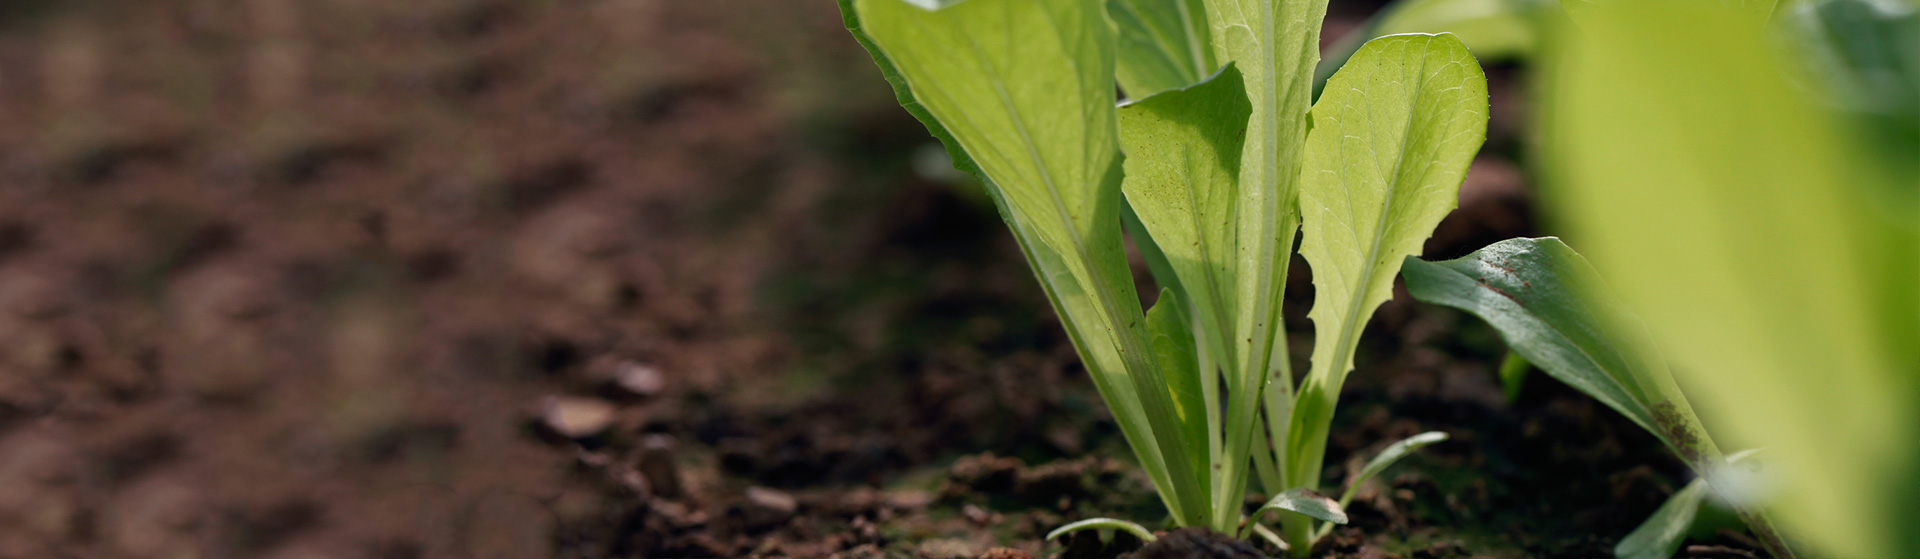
x: 1181, y: 179
x: 1181, y: 182
x: 1025, y: 88
x: 1660, y: 535
x: 1554, y: 310
x: 1386, y: 457
x: 1137, y: 530
x: 1275, y: 44
x: 1732, y: 214
x: 1164, y: 44
x: 1392, y: 138
x: 1307, y: 502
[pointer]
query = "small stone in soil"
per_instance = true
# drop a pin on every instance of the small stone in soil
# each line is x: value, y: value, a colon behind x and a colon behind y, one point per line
x: 639, y: 379
x: 577, y: 418
x: 976, y: 515
x: 1006, y: 553
x: 1196, y: 543
x: 768, y: 507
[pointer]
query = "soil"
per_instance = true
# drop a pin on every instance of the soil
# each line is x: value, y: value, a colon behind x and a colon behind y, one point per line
x: 624, y: 278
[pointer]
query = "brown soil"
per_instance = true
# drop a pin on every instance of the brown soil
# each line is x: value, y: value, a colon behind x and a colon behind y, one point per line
x: 618, y: 278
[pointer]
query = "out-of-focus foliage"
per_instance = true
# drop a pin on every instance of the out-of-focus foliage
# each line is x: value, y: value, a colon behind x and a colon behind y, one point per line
x: 1750, y: 225
x: 1493, y: 29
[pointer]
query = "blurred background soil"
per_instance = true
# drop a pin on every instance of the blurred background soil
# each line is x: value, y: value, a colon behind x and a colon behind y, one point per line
x: 618, y: 278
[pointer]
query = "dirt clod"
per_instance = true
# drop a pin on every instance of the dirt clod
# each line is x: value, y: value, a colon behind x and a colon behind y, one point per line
x: 1196, y: 543
x: 578, y: 417
x: 1006, y: 553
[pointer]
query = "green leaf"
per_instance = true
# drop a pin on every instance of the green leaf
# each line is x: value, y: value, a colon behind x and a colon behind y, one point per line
x: 1275, y: 44
x: 1164, y: 44
x: 1735, y: 215
x: 1137, y: 530
x: 1025, y: 88
x: 1393, y: 136
x: 1307, y: 502
x: 1181, y: 181
x: 1553, y: 310
x: 1387, y: 457
x: 1660, y: 535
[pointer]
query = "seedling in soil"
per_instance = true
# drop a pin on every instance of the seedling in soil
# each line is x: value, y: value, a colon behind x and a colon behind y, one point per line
x: 1224, y: 165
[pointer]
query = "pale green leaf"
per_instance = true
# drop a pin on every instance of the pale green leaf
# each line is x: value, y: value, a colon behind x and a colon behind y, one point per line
x: 1137, y: 530
x: 1275, y: 44
x: 1392, y: 138
x: 1736, y: 217
x: 1164, y: 44
x: 1306, y: 502
x: 1026, y: 89
x: 1181, y: 177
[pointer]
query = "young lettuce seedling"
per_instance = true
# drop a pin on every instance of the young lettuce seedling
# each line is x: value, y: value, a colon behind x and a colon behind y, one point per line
x: 1217, y: 171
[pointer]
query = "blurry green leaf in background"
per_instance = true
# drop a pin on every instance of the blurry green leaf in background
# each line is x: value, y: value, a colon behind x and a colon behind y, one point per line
x: 1738, y: 217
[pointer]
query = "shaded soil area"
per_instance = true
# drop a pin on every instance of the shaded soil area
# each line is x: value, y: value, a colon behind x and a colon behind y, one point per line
x: 620, y: 278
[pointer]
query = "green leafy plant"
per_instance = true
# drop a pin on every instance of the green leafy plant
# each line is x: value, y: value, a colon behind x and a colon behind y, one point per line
x: 1832, y: 168
x: 1770, y: 247
x: 1554, y: 311
x: 1220, y: 173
